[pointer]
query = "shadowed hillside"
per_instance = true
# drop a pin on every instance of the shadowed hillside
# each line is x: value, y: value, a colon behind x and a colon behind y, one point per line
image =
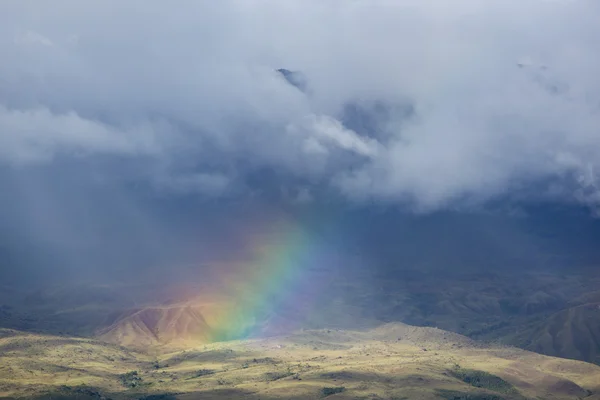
x: 572, y: 333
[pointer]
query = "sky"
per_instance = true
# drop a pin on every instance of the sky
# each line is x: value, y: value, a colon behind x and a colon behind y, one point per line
x: 125, y: 125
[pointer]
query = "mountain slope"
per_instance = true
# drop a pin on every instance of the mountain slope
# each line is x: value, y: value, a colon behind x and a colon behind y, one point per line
x: 572, y: 333
x: 159, y: 325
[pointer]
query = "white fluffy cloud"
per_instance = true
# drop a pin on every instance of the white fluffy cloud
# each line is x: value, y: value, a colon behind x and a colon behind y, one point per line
x: 505, y: 94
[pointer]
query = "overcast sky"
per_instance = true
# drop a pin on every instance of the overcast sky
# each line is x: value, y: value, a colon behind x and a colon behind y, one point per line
x: 465, y: 102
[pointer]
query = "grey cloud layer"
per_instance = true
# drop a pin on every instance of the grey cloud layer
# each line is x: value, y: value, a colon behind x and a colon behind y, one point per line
x: 505, y: 94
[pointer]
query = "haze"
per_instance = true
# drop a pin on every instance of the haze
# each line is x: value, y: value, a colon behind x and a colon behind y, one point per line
x: 320, y: 164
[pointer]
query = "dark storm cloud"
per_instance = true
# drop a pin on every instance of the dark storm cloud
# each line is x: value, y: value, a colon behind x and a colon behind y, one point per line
x: 502, y: 93
x: 132, y: 129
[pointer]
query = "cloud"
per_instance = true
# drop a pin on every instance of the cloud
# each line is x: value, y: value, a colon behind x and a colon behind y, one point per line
x: 330, y: 130
x: 503, y: 95
x: 36, y: 135
x: 32, y: 38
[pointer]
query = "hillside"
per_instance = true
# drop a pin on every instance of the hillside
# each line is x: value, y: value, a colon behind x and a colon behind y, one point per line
x: 550, y: 312
x: 572, y: 333
x: 394, y: 361
x: 155, y: 325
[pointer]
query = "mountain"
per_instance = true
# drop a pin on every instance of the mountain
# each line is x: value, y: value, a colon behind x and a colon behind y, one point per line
x: 294, y: 78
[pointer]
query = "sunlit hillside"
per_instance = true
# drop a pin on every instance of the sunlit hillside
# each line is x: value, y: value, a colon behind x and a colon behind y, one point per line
x: 394, y: 361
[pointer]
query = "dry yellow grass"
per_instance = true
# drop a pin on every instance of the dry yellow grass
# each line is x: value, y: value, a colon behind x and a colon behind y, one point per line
x: 394, y: 361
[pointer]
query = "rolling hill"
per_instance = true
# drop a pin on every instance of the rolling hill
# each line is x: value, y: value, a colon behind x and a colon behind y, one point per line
x: 393, y: 361
x: 550, y: 312
x: 158, y: 325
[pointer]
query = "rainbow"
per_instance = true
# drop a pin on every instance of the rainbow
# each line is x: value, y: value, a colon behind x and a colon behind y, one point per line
x: 277, y: 288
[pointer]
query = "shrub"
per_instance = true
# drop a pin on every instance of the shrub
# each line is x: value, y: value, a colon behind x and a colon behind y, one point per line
x: 162, y: 396
x: 484, y: 380
x: 328, y: 391
x: 274, y: 376
x: 454, y: 395
x: 130, y: 379
x: 202, y: 372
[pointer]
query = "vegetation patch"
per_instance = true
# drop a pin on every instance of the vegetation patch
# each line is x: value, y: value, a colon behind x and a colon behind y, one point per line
x: 130, y: 379
x: 338, y: 375
x: 328, y: 391
x: 274, y: 376
x: 80, y: 392
x: 484, y: 380
x: 265, y: 360
x: 455, y: 395
x: 162, y: 396
x: 202, y: 372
